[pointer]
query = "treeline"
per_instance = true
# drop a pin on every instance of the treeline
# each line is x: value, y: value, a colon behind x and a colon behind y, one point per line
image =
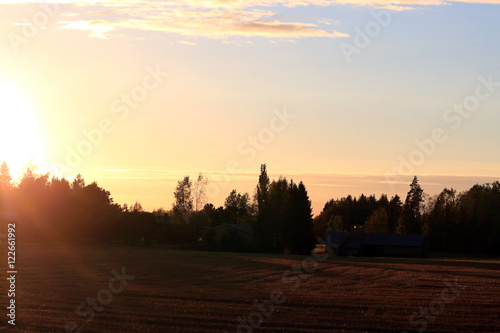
x: 284, y: 216
x: 52, y: 209
x: 280, y: 214
x: 463, y: 222
x: 56, y: 210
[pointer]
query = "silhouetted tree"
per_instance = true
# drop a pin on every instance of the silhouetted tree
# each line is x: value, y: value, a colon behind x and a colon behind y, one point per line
x: 278, y: 203
x: 32, y: 204
x: 345, y: 212
x: 441, y: 222
x: 78, y: 183
x: 383, y: 201
x: 58, y: 205
x: 5, y: 191
x: 377, y: 222
x: 5, y: 177
x: 336, y: 223
x: 298, y: 232
x: 394, y: 212
x: 137, y: 207
x: 237, y: 206
x: 284, y: 215
x: 410, y: 221
x: 211, y: 213
x: 199, y: 187
x: 138, y: 227
x: 217, y: 216
x: 183, y: 204
x: 478, y: 219
x: 102, y: 212
x: 199, y: 221
x: 263, y: 229
x: 160, y: 212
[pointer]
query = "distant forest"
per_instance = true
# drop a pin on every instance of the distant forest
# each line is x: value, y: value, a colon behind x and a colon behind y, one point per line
x: 55, y: 210
x: 467, y: 222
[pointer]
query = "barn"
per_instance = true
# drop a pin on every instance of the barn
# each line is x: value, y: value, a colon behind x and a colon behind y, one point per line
x: 371, y: 244
x: 343, y: 243
x: 388, y: 245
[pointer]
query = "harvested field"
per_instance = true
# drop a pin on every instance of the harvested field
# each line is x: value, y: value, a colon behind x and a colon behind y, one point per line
x: 187, y: 291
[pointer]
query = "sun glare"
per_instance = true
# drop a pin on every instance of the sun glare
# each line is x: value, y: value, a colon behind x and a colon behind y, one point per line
x: 20, y: 135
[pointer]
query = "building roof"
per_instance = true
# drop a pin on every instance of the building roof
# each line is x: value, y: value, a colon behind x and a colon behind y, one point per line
x: 354, y: 243
x: 242, y: 227
x: 394, y: 240
x: 336, y: 237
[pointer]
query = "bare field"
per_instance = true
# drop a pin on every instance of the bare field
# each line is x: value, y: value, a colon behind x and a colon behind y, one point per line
x: 187, y: 291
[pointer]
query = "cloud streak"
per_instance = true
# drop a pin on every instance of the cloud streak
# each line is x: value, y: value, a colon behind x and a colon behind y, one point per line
x: 216, y: 23
x: 216, y: 19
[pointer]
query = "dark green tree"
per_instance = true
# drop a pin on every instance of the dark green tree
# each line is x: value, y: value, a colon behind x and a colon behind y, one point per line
x: 279, y: 195
x: 411, y: 220
x: 378, y: 222
x: 478, y: 219
x: 394, y: 212
x: 238, y: 208
x: 102, y: 213
x: 299, y: 237
x: 336, y: 223
x: 263, y: 228
x: 441, y: 220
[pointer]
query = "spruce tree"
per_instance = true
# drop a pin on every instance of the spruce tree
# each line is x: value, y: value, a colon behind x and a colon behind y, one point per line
x: 410, y: 221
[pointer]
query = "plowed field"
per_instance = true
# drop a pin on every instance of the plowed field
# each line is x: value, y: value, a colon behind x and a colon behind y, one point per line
x: 190, y: 291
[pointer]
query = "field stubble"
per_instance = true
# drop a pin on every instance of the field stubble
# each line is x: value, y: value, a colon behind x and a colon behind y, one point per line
x: 185, y: 291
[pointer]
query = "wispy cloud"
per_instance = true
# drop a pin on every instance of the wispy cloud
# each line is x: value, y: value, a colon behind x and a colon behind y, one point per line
x: 185, y: 42
x: 216, y: 19
x: 250, y: 3
x: 97, y: 28
x: 208, y: 22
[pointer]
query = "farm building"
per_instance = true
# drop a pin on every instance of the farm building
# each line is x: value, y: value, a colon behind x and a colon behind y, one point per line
x: 386, y: 245
x: 343, y: 243
x: 231, y: 237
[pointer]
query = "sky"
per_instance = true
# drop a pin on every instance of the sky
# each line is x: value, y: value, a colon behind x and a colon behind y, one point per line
x: 348, y: 96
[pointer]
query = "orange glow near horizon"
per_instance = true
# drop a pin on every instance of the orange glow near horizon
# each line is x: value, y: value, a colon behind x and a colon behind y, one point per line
x: 20, y: 135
